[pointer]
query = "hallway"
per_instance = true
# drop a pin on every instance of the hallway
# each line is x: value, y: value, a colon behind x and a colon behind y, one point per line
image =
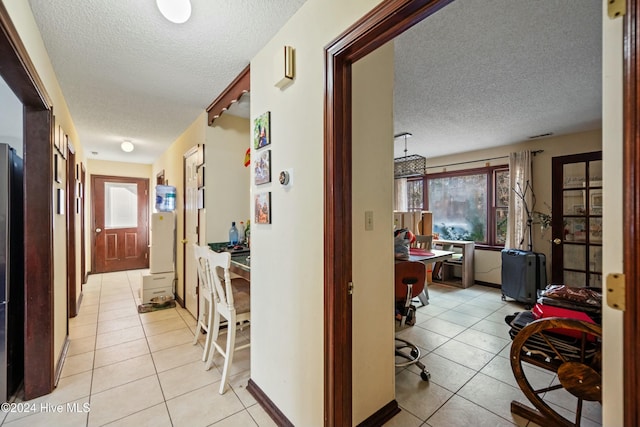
x: 135, y: 369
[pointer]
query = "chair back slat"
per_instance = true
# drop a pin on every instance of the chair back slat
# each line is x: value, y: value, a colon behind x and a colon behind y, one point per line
x: 204, y: 269
x: 213, y: 272
x: 220, y: 263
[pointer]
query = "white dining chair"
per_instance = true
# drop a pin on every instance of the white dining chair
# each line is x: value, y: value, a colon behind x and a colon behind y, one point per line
x: 206, y: 309
x: 231, y: 302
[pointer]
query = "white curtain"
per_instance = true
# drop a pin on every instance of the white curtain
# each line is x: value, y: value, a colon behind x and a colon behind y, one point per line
x: 520, y: 200
x: 400, y: 202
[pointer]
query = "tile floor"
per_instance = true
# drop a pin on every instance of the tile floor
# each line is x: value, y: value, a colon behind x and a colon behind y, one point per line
x: 466, y: 343
x: 139, y: 369
x: 135, y: 369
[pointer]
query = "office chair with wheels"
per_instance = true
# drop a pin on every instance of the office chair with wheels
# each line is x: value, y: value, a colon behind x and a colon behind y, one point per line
x: 409, y: 281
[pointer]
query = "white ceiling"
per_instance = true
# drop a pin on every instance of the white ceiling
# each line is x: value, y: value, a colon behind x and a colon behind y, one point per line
x: 484, y: 73
x: 128, y: 73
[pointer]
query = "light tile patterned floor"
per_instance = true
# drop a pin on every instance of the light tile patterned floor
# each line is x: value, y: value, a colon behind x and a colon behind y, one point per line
x: 141, y: 369
x: 465, y: 342
x: 135, y: 369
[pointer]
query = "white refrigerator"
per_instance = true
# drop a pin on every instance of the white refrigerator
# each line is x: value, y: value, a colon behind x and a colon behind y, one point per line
x: 163, y: 242
x: 159, y: 283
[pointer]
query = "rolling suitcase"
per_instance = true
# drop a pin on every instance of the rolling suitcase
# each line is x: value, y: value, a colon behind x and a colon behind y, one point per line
x: 523, y: 273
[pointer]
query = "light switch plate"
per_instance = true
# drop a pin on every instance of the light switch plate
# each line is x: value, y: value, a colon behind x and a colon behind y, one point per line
x: 368, y: 220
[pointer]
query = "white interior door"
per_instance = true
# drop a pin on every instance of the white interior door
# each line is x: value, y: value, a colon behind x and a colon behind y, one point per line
x: 191, y: 231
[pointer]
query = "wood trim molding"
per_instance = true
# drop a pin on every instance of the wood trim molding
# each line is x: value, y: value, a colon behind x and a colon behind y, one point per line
x: 72, y: 276
x: 631, y: 212
x: 38, y: 243
x: 24, y: 80
x: 382, y: 415
x: 267, y: 404
x: 238, y: 87
x: 376, y: 28
x: 61, y: 359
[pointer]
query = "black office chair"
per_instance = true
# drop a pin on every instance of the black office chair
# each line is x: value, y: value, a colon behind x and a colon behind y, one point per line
x: 410, y: 278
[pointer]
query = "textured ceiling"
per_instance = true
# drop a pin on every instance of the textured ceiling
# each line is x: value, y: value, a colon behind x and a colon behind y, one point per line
x: 127, y: 73
x: 483, y: 73
x: 475, y: 75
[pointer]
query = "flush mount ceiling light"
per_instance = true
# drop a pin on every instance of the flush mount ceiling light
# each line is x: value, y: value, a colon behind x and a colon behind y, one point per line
x: 406, y: 166
x: 127, y: 146
x: 176, y: 11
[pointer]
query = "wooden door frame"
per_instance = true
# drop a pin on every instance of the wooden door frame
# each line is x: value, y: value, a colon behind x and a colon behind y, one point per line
x: 21, y: 76
x: 183, y: 301
x: 83, y: 255
x: 382, y: 24
x: 631, y: 213
x: 72, y: 302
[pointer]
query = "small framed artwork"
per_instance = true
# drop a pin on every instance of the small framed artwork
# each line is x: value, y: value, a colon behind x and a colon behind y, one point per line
x: 56, y: 137
x: 262, y: 167
x: 60, y: 198
x: 57, y: 167
x: 263, y: 208
x: 262, y: 131
x: 63, y: 145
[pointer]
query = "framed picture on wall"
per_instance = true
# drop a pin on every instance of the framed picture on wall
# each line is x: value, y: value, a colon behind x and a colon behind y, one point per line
x: 263, y: 208
x: 60, y: 206
x: 63, y: 145
x: 57, y: 167
x: 262, y: 131
x: 56, y: 137
x: 262, y: 167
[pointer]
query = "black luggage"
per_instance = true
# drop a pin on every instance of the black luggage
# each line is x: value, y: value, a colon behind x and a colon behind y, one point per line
x: 523, y: 273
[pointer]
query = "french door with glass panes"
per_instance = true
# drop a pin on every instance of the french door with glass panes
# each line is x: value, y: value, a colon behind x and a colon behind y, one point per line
x: 576, y: 256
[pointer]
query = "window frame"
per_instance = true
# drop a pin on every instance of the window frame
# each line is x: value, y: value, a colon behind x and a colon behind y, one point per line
x: 491, y: 208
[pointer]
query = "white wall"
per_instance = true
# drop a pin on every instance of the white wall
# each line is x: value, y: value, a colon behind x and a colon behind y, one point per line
x: 373, y: 276
x: 287, y: 352
x: 227, y: 187
x: 613, y: 233
x: 172, y: 163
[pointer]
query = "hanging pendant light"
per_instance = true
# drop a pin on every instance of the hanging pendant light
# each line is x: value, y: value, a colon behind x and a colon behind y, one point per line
x: 408, y: 165
x: 176, y: 11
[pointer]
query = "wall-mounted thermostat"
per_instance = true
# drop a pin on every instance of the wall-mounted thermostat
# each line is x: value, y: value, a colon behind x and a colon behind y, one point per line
x: 284, y: 178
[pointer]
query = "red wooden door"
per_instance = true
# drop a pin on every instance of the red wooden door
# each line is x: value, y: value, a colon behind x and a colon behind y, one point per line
x: 120, y: 223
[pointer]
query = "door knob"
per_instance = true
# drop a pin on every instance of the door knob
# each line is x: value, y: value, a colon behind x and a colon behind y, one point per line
x: 98, y: 230
x: 184, y: 241
x: 557, y: 241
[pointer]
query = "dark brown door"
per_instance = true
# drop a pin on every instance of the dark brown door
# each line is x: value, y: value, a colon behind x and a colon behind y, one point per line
x: 577, y: 220
x: 120, y: 223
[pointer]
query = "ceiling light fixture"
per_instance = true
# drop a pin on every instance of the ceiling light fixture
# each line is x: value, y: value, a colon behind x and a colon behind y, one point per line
x: 126, y: 146
x: 406, y: 166
x: 176, y: 11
